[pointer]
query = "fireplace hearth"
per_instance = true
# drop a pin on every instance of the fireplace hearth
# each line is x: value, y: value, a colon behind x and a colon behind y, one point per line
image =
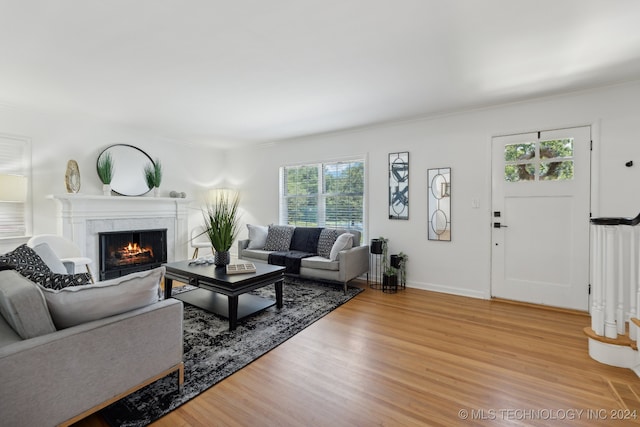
x: 124, y: 252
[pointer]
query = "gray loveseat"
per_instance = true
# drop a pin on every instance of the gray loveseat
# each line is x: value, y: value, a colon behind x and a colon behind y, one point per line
x: 328, y: 254
x: 63, y: 356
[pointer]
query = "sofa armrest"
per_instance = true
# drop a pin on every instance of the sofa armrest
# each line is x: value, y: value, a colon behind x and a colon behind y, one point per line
x: 353, y: 262
x: 54, y: 377
x: 242, y: 245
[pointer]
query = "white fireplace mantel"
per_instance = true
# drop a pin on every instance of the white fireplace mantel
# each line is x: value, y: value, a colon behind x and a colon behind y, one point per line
x: 80, y: 218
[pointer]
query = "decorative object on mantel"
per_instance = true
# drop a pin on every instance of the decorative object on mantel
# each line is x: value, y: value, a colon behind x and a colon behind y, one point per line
x: 221, y: 225
x: 153, y: 176
x: 72, y: 177
x: 176, y: 195
x: 399, y: 185
x: 127, y: 161
x: 105, y: 172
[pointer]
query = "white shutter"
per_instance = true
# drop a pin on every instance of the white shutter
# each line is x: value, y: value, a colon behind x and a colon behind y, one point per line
x: 14, y: 160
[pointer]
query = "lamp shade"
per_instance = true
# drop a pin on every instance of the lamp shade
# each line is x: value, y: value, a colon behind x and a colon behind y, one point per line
x: 13, y: 188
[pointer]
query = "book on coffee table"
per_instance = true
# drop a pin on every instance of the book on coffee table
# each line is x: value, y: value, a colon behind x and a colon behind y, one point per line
x: 246, y: 267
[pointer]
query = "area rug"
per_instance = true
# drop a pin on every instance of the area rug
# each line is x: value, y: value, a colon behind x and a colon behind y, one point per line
x: 212, y: 352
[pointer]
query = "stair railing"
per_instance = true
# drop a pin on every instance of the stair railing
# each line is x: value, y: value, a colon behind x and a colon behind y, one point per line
x: 615, y: 286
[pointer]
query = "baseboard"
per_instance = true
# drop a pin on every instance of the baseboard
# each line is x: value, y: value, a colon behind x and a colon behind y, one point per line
x: 472, y: 293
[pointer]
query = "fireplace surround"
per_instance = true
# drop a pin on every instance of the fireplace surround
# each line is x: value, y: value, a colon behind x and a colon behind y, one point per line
x: 81, y: 218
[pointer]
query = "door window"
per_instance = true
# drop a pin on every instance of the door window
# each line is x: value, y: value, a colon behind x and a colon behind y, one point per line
x: 550, y: 160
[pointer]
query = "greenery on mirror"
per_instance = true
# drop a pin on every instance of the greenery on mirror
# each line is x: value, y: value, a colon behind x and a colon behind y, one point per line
x: 105, y: 168
x: 153, y: 174
x: 221, y: 221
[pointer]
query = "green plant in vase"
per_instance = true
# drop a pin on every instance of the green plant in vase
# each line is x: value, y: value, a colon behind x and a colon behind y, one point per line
x: 105, y: 172
x: 153, y: 175
x: 221, y: 226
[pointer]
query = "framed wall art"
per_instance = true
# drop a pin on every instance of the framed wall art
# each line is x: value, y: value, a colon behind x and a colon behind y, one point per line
x: 439, y: 202
x: 399, y: 185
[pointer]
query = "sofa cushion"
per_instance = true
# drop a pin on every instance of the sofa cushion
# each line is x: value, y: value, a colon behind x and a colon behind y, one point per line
x: 23, y: 306
x: 305, y: 239
x: 74, y: 305
x: 24, y: 258
x: 326, y: 240
x: 320, y: 263
x: 259, y: 254
x: 278, y: 238
x: 343, y: 242
x: 49, y: 257
x: 257, y: 236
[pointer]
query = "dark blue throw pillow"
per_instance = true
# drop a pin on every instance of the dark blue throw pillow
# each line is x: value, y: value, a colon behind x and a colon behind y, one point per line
x: 305, y: 239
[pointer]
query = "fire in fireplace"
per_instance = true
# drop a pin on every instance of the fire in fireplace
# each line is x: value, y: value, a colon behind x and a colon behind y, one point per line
x: 124, y: 252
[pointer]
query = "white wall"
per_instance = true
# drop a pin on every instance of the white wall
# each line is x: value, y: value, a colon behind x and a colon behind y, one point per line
x: 463, y: 142
x: 460, y: 141
x: 57, y: 137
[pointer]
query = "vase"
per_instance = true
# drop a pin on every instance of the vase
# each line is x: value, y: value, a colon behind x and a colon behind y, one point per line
x: 106, y: 189
x: 156, y: 191
x: 221, y: 259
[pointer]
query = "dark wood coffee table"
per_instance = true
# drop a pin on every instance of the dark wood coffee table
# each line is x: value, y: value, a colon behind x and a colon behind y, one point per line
x: 224, y: 294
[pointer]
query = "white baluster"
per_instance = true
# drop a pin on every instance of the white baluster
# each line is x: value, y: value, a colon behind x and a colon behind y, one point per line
x: 633, y: 281
x: 597, y: 263
x: 610, y: 329
x: 620, y: 283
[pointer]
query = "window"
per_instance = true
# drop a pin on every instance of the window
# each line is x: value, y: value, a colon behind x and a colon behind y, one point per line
x: 323, y: 194
x: 15, y: 167
x: 543, y: 161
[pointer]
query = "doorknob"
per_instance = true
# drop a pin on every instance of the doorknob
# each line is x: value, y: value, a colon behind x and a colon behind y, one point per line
x: 498, y: 225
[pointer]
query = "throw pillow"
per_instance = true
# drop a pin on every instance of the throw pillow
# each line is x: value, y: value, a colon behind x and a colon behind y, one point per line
x: 327, y: 238
x: 56, y: 281
x: 257, y: 236
x: 74, y: 305
x: 278, y: 238
x: 305, y: 239
x: 49, y: 257
x: 24, y: 258
x: 343, y: 242
x: 23, y: 306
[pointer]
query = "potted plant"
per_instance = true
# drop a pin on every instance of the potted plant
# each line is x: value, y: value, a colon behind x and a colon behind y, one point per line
x: 399, y: 261
x: 390, y: 280
x: 221, y: 226
x: 153, y: 175
x: 105, y: 172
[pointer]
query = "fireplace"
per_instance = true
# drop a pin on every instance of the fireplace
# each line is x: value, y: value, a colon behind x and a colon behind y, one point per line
x: 124, y: 252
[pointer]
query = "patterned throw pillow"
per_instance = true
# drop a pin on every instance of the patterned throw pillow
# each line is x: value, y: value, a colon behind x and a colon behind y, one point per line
x: 24, y: 258
x: 56, y: 281
x: 327, y: 238
x: 29, y: 264
x: 278, y: 238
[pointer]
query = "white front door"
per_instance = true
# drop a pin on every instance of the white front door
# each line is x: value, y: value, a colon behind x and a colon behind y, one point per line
x: 540, y: 217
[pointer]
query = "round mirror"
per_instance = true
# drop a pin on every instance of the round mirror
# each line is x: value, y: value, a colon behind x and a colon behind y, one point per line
x: 439, y: 222
x: 438, y: 186
x: 128, y: 169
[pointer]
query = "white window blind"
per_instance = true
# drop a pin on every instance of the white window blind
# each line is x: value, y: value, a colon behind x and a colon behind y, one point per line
x: 15, y: 159
x: 327, y: 194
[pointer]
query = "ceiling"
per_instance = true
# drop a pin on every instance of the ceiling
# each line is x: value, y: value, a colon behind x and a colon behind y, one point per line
x: 248, y: 71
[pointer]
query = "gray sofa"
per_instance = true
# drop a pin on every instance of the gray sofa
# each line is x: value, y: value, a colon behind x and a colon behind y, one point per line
x: 52, y: 373
x: 348, y: 263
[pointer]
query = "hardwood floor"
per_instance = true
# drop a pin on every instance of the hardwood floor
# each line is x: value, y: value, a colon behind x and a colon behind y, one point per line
x: 420, y: 358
